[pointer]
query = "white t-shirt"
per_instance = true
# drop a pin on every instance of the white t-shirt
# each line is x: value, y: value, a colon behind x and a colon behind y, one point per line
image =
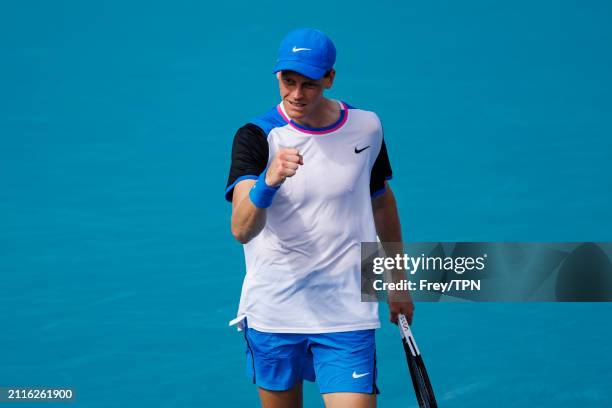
x: 303, y: 269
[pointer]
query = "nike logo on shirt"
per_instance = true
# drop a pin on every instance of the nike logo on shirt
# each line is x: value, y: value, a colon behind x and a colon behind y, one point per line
x: 360, y: 150
x: 355, y: 375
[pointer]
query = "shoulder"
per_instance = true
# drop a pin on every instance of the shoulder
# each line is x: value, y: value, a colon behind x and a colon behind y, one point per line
x: 368, y: 119
x: 363, y: 114
x: 268, y: 121
x: 250, y: 130
x: 258, y: 128
x: 249, y: 137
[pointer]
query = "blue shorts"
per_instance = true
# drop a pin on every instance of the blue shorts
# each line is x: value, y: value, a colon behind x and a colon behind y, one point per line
x: 339, y: 362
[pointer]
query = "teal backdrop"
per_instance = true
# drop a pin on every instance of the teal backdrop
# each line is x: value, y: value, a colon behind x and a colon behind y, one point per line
x: 118, y: 272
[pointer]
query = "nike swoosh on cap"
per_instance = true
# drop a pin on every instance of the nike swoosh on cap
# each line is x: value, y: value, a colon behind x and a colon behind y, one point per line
x: 355, y: 375
x: 296, y: 49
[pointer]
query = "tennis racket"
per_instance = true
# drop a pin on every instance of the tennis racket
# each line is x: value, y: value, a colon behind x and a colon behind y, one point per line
x: 420, y: 380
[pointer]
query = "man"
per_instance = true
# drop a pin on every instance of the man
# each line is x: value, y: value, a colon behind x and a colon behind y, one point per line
x: 308, y: 184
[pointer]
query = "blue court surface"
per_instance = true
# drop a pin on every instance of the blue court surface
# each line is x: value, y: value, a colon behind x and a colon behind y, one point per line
x: 118, y: 272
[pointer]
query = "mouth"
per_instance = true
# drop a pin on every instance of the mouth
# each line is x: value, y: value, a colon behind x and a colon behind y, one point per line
x: 296, y: 105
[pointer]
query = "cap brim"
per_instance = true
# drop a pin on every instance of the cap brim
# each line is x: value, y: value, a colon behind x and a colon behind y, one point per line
x: 301, y: 68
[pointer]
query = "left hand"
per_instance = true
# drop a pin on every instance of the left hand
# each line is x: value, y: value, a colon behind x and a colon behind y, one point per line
x: 401, y: 307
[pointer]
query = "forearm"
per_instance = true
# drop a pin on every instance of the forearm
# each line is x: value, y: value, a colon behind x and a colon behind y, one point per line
x: 247, y: 219
x: 251, y: 197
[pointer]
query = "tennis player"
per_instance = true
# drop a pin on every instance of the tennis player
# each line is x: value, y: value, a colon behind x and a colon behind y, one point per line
x: 308, y: 184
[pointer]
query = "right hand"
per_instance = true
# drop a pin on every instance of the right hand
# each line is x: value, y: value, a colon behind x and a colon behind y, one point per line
x: 285, y: 163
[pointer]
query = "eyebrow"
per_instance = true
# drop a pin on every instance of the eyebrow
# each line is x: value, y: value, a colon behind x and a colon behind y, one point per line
x: 285, y: 77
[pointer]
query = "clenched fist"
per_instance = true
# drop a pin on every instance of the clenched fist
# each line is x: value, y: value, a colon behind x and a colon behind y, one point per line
x: 284, y: 164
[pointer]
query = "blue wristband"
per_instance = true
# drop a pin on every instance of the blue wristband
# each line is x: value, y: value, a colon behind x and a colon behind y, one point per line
x: 261, y: 194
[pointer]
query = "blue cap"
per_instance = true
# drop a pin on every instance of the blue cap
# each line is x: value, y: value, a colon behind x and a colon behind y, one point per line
x: 306, y: 51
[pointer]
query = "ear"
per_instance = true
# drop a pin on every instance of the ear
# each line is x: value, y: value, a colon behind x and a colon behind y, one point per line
x: 330, y: 79
x: 278, y: 75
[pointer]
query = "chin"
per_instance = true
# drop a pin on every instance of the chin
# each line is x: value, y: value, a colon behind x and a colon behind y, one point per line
x: 297, y: 114
x: 293, y: 112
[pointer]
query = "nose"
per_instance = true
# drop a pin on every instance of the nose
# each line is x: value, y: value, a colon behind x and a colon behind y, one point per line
x: 298, y: 93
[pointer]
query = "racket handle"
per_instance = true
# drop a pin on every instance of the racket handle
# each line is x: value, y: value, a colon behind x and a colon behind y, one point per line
x: 406, y: 332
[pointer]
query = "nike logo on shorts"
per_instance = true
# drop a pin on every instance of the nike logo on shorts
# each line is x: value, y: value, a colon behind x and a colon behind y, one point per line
x: 355, y: 375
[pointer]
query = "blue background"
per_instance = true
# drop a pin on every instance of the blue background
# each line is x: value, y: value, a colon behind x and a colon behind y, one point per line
x: 118, y: 270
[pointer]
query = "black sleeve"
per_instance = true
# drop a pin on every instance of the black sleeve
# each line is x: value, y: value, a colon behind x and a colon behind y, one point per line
x: 249, y: 156
x: 381, y: 171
